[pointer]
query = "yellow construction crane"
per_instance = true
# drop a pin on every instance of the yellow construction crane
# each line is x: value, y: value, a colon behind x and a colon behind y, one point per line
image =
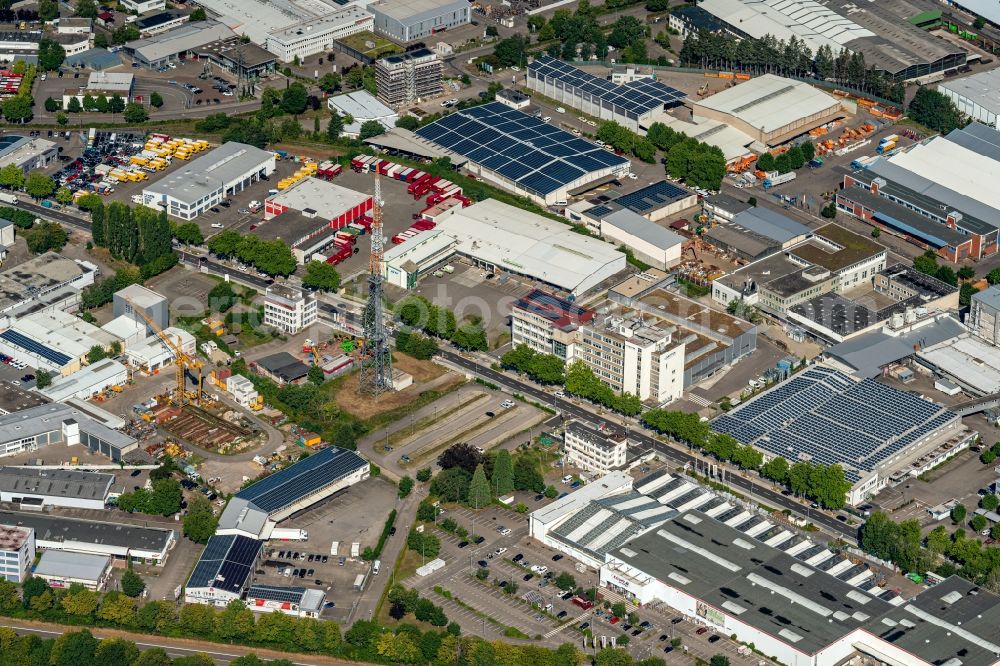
x: 181, y: 359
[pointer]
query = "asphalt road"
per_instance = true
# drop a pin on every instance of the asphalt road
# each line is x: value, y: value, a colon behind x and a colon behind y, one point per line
x: 673, y: 453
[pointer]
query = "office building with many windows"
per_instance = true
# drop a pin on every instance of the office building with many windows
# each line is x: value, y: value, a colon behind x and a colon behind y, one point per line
x: 317, y: 35
x: 289, y: 309
x: 597, y: 451
x: 408, y: 77
x: 17, y: 552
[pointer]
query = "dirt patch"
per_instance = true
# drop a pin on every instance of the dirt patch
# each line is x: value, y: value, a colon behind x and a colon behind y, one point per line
x: 199, y: 427
x: 430, y: 382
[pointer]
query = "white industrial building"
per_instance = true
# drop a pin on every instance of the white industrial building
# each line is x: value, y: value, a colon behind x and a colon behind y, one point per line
x: 598, y: 451
x: 289, y: 309
x: 769, y: 109
x: 547, y: 324
x: 333, y: 204
x: 88, y: 382
x: 317, y: 35
x: 153, y: 354
x: 206, y: 181
x: 409, y: 20
x: 148, y: 545
x: 363, y: 107
x: 40, y: 488
x: 500, y: 237
x: 17, y: 552
x: 60, y: 569
x: 143, y: 6
x: 54, y: 340
x: 160, y: 50
x: 295, y: 601
x: 407, y: 262
x: 652, y: 244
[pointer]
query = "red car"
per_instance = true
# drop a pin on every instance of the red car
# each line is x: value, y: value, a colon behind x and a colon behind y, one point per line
x: 701, y: 630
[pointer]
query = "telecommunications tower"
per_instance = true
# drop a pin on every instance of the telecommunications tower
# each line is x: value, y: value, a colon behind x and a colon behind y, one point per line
x: 376, y: 359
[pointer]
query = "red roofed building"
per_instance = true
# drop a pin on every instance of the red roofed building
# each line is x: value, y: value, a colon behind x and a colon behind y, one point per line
x: 546, y: 323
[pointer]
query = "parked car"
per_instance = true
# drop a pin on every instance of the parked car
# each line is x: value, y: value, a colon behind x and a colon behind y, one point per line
x: 136, y: 472
x: 556, y: 557
x: 714, y: 638
x: 702, y: 630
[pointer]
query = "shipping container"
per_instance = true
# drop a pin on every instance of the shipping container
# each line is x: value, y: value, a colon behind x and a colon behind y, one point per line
x: 778, y: 180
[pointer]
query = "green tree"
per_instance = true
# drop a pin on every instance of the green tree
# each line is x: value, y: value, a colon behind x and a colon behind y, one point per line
x: 198, y: 619
x: 51, y: 105
x: 424, y: 475
x: 978, y: 523
x: 565, y: 581
x: 12, y: 177
x: 480, y: 494
x: 221, y: 297
x: 64, y: 195
x: 719, y: 660
x: 135, y: 114
x: 50, y: 55
x: 614, y: 656
x: 155, y: 99
x: 966, y: 272
x: 198, y: 15
x: 335, y: 126
x: 200, y: 521
x: 405, y: 486
x: 990, y: 502
x: 73, y: 648
x: 511, y: 51
x: 407, y: 122
x: 38, y: 185
x: 236, y: 622
x: 470, y: 336
x: 45, y: 236
x: 315, y: 375
x: 96, y: 353
x: 993, y: 277
x: 503, y: 473
x: 132, y: 583
x: 776, y: 469
x: 958, y: 513
x: 370, y: 128
x: 166, y: 497
x: 116, y: 652
x: 43, y: 379
x: 48, y: 10
x: 188, y: 233
x: 17, y: 109
x: 934, y: 110
x: 79, y: 601
x: 294, y: 99
x: 321, y: 275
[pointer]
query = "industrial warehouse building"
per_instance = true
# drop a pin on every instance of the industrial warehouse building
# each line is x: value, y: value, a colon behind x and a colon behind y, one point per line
x: 153, y: 354
x: 40, y: 280
x: 875, y: 433
x: 407, y: 262
x: 317, y: 35
x: 663, y: 539
x: 224, y: 571
x: 523, y: 154
x: 409, y: 20
x: 296, y: 601
x: 56, y: 487
x: 306, y: 215
x: 752, y: 233
x: 363, y: 107
x: 770, y: 109
x: 255, y: 510
x: 155, y: 52
x: 891, y: 45
x: 939, y: 194
x: 92, y: 380
x: 651, y: 243
x: 634, y: 105
x: 206, y: 181
x: 27, y: 153
x: 499, y: 237
x: 654, y: 202
x: 977, y: 96
x: 149, y: 545
x: 54, y: 340
x: 61, y: 569
x: 56, y: 423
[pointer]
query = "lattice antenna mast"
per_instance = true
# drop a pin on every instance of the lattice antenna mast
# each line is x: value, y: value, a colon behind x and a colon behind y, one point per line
x: 376, y: 360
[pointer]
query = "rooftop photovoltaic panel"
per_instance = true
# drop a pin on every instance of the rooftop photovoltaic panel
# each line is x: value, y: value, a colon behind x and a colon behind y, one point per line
x: 634, y: 99
x: 825, y: 416
x: 24, y: 342
x: 523, y: 149
x: 271, y: 593
x: 225, y: 563
x: 651, y: 196
x: 305, y: 477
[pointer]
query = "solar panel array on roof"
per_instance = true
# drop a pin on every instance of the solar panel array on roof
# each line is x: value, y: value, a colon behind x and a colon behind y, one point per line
x: 226, y: 563
x: 272, y: 593
x: 305, y: 477
x: 523, y: 149
x: 24, y: 342
x: 651, y: 197
x: 826, y: 416
x: 635, y: 98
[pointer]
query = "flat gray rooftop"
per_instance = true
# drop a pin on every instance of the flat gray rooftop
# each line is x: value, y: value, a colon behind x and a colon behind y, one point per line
x: 56, y: 528
x: 56, y: 482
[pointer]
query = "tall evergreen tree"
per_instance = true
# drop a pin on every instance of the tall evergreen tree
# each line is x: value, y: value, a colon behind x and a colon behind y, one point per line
x: 480, y: 494
x: 503, y: 473
x: 98, y: 228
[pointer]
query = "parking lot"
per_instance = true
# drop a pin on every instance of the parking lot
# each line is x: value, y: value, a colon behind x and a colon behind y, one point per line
x: 355, y: 515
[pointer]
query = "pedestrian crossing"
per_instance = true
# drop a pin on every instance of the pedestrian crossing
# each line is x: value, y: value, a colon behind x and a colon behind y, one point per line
x: 699, y: 400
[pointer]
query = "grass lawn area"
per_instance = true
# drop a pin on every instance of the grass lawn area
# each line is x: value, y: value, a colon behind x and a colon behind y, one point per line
x: 360, y: 42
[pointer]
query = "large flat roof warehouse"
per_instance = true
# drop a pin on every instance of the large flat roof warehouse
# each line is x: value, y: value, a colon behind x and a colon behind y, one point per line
x: 771, y: 224
x: 512, y: 239
x: 39, y: 275
x: 988, y: 9
x: 770, y: 104
x: 318, y: 198
x: 92, y: 379
x: 967, y: 359
x: 76, y: 566
x: 362, y: 106
x: 77, y: 534
x: 56, y: 483
x: 522, y: 150
x: 211, y: 172
x: 635, y: 99
x: 285, y: 488
x: 226, y: 563
x: 943, y: 167
x: 828, y: 417
x: 179, y: 40
x: 121, y: 82
x: 256, y: 19
x: 404, y: 9
x: 35, y: 421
